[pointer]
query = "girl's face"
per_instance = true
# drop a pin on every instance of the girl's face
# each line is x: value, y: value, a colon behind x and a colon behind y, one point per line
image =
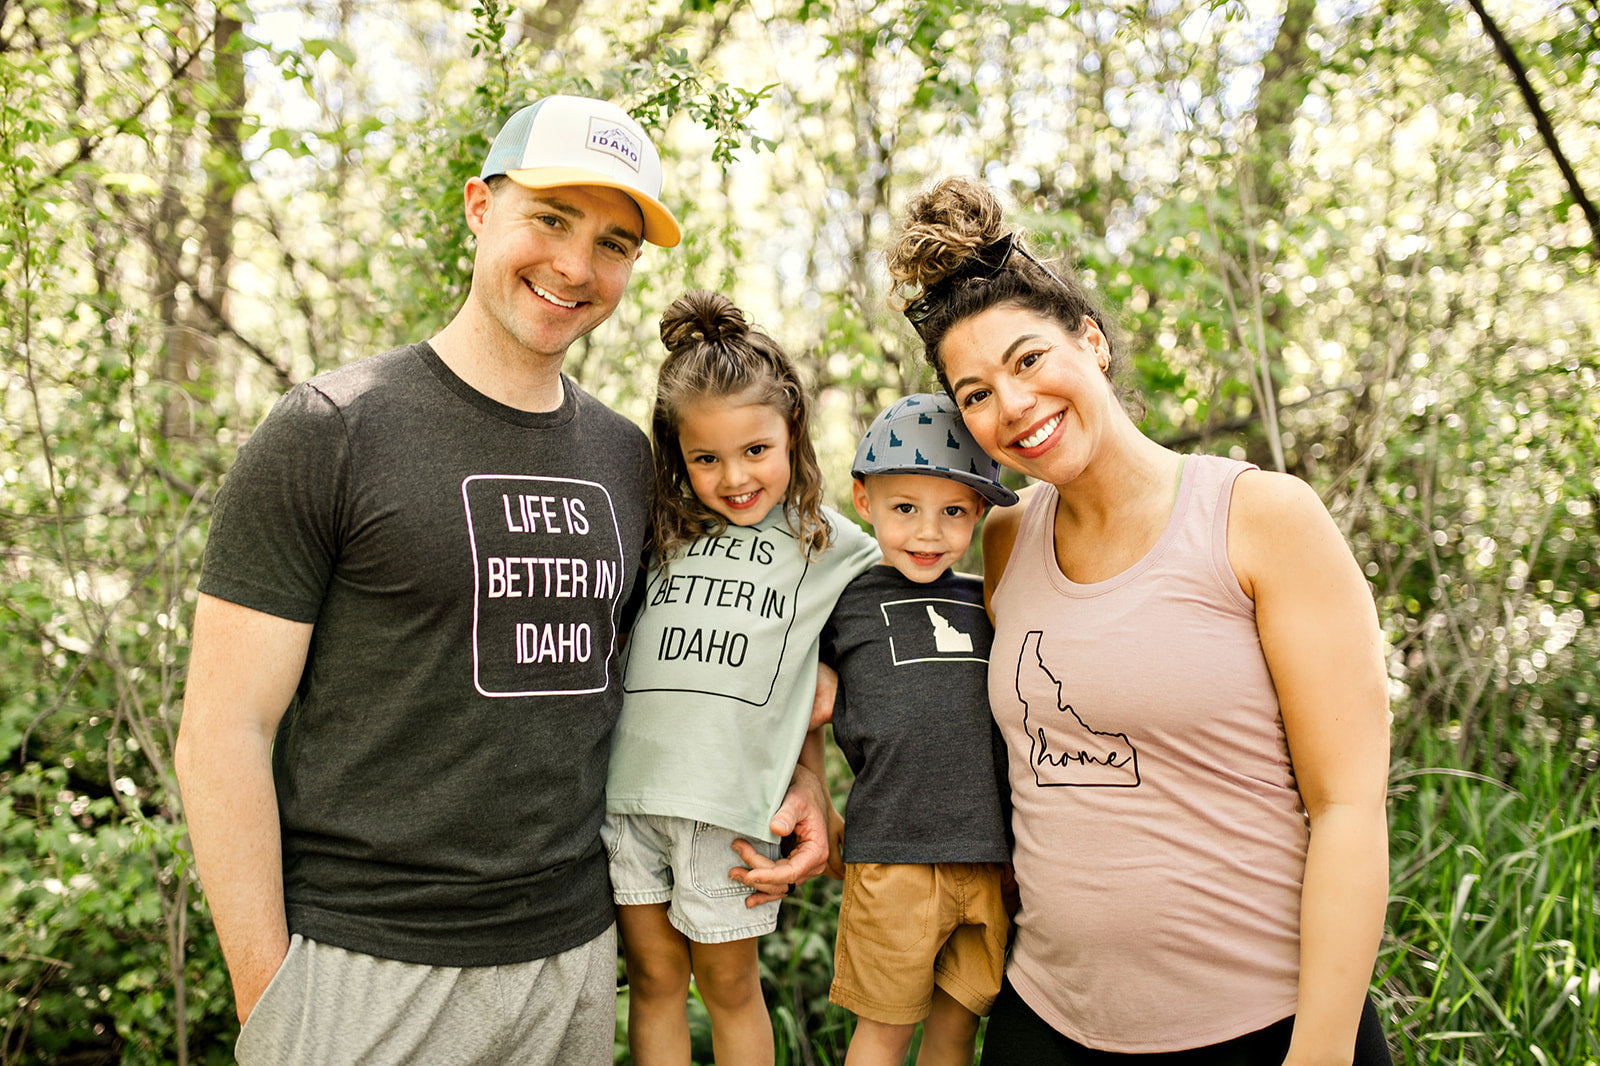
x: 1033, y: 395
x: 737, y: 455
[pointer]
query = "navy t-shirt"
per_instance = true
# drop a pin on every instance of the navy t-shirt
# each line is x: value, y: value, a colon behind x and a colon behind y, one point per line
x: 912, y: 719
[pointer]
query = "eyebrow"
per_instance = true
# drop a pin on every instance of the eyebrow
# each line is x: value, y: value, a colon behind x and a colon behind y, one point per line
x: 1005, y: 357
x: 770, y: 440
x: 572, y: 210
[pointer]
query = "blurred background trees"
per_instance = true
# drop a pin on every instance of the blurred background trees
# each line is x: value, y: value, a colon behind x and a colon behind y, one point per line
x: 1355, y: 240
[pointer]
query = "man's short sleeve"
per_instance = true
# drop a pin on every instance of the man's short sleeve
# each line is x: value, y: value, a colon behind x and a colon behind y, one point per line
x: 276, y: 527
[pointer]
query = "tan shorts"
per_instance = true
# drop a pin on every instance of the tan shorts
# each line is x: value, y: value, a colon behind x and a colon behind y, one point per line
x: 904, y: 928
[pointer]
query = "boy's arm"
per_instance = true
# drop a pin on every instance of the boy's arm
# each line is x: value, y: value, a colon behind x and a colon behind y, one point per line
x: 813, y: 756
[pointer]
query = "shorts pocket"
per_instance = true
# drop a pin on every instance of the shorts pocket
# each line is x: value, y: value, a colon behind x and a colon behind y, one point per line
x: 263, y: 1030
x: 711, y: 856
x: 888, y: 905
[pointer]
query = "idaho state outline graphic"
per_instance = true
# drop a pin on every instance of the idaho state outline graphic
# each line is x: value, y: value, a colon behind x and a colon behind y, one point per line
x: 1062, y: 749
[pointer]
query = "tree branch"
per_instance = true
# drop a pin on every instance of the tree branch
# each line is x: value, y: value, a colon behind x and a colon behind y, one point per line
x: 1541, y: 118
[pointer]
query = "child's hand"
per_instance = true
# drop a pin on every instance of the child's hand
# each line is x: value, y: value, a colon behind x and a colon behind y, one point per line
x: 822, y: 702
x: 835, y: 844
x: 751, y: 874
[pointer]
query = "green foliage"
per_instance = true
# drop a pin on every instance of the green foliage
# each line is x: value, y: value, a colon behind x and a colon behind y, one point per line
x: 1492, y: 954
x: 84, y: 964
x: 1399, y: 307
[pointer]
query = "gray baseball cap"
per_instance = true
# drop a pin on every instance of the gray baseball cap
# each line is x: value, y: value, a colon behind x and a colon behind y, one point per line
x: 921, y: 434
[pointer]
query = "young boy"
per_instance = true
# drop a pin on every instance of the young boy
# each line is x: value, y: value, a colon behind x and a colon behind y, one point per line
x: 922, y: 928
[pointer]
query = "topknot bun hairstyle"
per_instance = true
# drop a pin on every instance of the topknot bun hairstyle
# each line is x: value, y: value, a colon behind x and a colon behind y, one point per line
x: 952, y: 222
x: 944, y: 226
x: 701, y: 317
x: 713, y: 353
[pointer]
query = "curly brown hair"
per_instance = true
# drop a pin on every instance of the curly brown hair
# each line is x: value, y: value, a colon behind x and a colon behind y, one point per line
x: 713, y: 352
x: 936, y: 257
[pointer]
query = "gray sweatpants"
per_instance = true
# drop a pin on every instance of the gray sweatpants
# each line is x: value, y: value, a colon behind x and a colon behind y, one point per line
x: 328, y: 1007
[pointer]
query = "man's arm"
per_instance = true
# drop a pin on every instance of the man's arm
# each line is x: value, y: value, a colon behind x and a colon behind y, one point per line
x: 243, y: 671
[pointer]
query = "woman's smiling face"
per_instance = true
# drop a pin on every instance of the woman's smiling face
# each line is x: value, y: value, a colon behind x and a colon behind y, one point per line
x: 1033, y: 395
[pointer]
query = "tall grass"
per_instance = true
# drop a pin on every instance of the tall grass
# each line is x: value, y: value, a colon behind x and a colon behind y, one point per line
x: 1493, y: 951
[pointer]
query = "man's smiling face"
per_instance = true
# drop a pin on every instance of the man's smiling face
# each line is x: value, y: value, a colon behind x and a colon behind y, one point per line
x: 551, y: 264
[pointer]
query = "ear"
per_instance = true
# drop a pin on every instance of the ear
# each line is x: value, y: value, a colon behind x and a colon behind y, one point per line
x: 476, y: 199
x: 858, y: 496
x: 1094, y: 338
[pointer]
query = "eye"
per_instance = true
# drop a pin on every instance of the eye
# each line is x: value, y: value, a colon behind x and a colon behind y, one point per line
x: 1028, y: 360
x: 616, y: 247
x: 756, y: 449
x: 904, y: 508
x: 704, y: 460
x: 973, y: 398
x: 955, y: 510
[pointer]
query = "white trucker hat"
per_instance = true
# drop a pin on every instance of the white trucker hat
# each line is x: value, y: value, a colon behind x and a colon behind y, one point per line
x: 575, y: 140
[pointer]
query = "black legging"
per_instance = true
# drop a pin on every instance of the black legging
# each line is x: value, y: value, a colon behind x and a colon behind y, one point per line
x: 1018, y: 1037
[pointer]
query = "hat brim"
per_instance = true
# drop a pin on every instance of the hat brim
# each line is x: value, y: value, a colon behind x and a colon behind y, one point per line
x: 992, y: 491
x: 660, y: 228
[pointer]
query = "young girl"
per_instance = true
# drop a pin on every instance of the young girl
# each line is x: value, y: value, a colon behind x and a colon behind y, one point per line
x: 720, y: 676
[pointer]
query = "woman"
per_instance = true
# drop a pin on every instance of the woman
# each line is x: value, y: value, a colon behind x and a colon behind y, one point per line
x: 1189, y: 674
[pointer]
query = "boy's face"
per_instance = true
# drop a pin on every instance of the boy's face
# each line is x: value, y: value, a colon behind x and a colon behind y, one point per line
x: 923, y: 523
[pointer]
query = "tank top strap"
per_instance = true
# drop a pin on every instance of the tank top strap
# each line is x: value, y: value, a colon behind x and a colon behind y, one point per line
x: 1214, y: 478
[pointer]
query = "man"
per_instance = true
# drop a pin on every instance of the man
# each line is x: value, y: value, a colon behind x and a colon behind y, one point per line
x: 402, y: 687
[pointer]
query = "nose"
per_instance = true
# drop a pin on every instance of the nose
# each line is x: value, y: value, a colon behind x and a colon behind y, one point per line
x: 573, y: 260
x: 733, y: 473
x: 1013, y: 399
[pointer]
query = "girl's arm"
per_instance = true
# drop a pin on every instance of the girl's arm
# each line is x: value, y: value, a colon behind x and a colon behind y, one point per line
x: 1319, y: 632
x: 807, y: 812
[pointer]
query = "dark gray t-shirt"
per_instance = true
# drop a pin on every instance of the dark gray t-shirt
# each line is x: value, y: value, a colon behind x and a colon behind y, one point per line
x: 441, y: 769
x: 912, y: 718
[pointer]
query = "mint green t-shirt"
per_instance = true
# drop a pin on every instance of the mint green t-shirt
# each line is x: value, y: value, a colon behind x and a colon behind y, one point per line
x: 721, y: 671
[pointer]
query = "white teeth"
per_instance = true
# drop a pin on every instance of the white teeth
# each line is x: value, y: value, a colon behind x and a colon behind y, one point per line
x: 1038, y: 436
x: 745, y: 498
x: 553, y: 298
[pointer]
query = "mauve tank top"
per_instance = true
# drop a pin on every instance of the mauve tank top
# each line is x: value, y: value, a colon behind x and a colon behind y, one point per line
x: 1160, y: 839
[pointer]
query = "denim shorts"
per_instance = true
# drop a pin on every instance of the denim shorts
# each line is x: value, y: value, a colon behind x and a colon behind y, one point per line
x: 656, y: 858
